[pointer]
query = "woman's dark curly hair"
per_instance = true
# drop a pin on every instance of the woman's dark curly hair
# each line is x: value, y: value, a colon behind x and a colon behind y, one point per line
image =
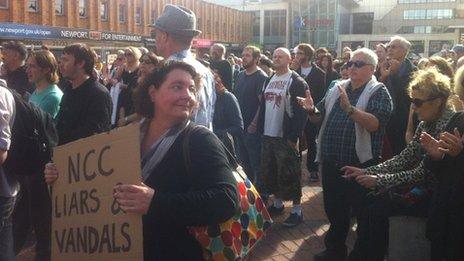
x: 142, y: 100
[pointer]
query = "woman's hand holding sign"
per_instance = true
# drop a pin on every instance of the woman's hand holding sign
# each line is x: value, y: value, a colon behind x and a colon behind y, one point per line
x: 50, y: 173
x: 134, y: 198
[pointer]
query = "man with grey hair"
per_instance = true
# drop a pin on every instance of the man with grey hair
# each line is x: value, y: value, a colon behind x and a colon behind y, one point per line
x: 174, y: 32
x: 396, y: 72
x: 221, y: 65
x: 352, y: 116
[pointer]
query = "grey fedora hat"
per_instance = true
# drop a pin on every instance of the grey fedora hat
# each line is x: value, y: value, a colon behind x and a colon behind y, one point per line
x: 177, y: 20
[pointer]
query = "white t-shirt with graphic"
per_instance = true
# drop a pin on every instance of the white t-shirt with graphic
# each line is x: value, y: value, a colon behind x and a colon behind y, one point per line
x: 275, y: 96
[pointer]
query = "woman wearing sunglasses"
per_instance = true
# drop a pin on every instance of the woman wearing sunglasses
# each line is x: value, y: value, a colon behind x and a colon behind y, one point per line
x: 444, y: 68
x: 148, y: 63
x: 429, y: 91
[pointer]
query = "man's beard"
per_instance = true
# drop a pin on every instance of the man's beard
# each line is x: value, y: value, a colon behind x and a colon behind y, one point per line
x: 247, y: 65
x: 302, y: 61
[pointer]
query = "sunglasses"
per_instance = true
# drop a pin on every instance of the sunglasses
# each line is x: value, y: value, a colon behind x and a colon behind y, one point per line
x: 419, y: 102
x: 357, y: 64
x: 128, y: 54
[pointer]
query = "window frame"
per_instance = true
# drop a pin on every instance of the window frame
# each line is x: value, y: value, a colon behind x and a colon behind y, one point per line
x: 29, y: 4
x: 104, y: 9
x: 153, y: 16
x: 123, y: 12
x: 63, y: 9
x: 138, y: 15
x: 6, y: 6
x: 84, y: 6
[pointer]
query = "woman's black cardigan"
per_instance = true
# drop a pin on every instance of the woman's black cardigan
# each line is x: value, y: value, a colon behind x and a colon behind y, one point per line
x: 206, y: 194
x: 445, y: 224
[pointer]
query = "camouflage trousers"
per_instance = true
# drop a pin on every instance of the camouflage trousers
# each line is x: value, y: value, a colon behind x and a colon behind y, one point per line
x: 280, y: 169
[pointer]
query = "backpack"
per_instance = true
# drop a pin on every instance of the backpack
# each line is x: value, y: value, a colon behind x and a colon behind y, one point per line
x: 33, y: 137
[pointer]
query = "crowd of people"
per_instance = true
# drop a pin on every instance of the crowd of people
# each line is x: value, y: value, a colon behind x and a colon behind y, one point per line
x: 383, y: 133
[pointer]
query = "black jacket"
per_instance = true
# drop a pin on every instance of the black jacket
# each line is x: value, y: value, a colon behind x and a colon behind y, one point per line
x: 292, y: 126
x: 84, y: 111
x: 397, y: 87
x: 225, y: 71
x: 18, y: 81
x: 204, y: 195
x: 331, y: 76
x: 316, y: 81
x: 446, y: 215
x: 227, y: 119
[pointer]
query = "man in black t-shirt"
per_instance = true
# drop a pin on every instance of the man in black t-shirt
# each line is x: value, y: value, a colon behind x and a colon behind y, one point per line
x: 248, y: 89
x: 219, y: 63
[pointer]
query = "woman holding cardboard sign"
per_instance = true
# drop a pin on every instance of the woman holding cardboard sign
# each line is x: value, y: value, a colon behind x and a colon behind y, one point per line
x: 172, y: 196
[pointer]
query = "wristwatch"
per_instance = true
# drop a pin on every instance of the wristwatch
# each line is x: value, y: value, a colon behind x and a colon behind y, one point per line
x: 350, y: 110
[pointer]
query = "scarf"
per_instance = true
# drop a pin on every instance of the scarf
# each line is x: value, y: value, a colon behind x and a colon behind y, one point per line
x: 159, y: 149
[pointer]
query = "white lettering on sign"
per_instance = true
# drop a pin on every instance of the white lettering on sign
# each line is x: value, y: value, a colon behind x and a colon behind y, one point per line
x: 75, y: 34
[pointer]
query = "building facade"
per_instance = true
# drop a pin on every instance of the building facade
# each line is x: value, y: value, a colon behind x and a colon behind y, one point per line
x: 114, y: 23
x: 430, y: 25
x: 271, y: 21
x: 315, y: 22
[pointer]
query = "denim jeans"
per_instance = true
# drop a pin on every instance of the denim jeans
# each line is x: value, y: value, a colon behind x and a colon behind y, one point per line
x: 6, y: 229
x: 251, y: 149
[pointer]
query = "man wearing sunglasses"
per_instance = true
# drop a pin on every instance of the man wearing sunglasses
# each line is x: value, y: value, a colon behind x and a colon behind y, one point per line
x: 396, y: 73
x: 353, y: 116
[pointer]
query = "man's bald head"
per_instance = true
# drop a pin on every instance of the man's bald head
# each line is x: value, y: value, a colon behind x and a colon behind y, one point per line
x: 282, y: 60
x: 283, y: 51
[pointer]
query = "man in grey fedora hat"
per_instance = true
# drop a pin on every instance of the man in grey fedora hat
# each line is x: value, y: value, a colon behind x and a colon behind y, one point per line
x: 174, y: 32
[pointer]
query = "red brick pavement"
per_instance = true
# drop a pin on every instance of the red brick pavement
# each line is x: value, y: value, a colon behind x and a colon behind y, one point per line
x: 302, y: 241
x: 298, y: 243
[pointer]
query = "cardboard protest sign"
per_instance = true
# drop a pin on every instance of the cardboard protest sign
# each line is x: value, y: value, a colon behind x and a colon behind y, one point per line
x: 87, y: 223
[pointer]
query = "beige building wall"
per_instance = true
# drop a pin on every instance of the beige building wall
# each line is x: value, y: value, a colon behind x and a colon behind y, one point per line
x: 389, y: 20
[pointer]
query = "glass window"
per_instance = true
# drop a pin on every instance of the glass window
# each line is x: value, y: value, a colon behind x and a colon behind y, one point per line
x: 256, y: 23
x: 427, y: 14
x: 199, y: 23
x: 436, y: 46
x: 122, y: 13
x: 331, y: 39
x: 345, y: 23
x: 153, y: 18
x: 362, y: 23
x: 59, y: 7
x: 267, y: 23
x: 424, y: 1
x: 104, y: 11
x: 322, y: 35
x: 275, y: 23
x: 3, y: 4
x: 439, y: 14
x: 417, y: 47
x: 83, y: 8
x: 33, y: 6
x: 138, y: 15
